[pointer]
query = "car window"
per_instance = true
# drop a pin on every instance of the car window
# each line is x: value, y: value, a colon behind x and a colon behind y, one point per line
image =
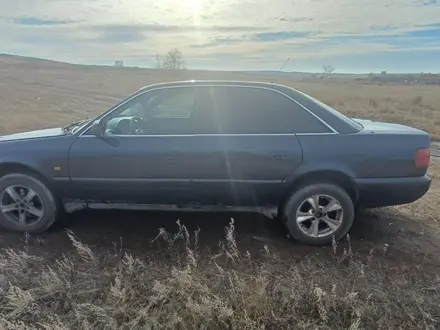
x: 134, y: 109
x: 175, y: 103
x: 332, y: 111
x: 163, y: 103
x: 165, y: 111
x: 243, y: 110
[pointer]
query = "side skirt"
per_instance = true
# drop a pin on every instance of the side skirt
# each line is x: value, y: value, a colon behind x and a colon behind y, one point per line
x: 76, y: 205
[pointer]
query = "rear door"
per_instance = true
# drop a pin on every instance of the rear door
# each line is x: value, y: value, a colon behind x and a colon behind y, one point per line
x: 244, y: 145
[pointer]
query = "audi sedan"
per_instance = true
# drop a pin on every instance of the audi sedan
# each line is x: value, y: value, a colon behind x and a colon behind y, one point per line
x: 215, y: 145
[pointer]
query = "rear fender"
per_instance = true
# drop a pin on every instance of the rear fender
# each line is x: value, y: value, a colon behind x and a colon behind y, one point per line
x: 338, y: 174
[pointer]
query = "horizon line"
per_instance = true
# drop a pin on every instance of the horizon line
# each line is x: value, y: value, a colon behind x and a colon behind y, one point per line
x: 214, y: 70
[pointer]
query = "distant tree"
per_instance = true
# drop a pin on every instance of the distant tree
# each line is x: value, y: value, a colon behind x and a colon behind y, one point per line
x: 370, y: 77
x: 327, y: 69
x: 119, y: 63
x: 383, y: 73
x: 173, y: 60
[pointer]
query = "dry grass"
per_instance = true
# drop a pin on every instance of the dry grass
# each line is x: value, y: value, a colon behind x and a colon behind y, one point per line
x: 411, y: 105
x: 36, y: 94
x: 228, y: 289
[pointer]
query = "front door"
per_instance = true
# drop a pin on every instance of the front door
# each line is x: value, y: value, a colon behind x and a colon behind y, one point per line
x: 144, y: 155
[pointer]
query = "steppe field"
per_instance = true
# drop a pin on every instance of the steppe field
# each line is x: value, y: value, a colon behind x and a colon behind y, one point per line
x: 156, y: 270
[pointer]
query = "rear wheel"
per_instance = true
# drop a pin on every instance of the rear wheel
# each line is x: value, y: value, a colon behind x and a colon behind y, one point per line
x: 316, y: 213
x: 26, y: 204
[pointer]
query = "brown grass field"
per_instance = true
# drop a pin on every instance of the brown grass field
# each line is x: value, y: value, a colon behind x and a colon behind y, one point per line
x: 142, y: 270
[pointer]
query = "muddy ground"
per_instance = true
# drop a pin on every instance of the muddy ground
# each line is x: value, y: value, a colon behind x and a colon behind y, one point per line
x: 401, y: 239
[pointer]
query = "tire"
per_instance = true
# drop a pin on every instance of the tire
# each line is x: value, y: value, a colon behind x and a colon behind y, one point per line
x: 43, y: 201
x: 338, y: 220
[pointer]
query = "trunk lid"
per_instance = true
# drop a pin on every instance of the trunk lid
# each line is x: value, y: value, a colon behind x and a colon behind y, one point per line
x: 383, y: 127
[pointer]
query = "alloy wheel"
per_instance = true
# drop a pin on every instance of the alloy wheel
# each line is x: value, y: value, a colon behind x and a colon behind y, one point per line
x: 319, y: 216
x: 21, y: 205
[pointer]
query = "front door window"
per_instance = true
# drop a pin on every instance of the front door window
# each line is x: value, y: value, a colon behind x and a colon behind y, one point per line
x: 161, y: 112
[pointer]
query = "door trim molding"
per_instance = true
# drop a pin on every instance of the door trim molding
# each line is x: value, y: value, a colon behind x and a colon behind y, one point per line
x: 207, y: 135
x: 127, y: 180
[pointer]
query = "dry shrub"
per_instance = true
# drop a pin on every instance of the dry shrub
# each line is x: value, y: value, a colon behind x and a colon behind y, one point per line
x: 417, y: 101
x: 229, y: 289
x: 373, y: 103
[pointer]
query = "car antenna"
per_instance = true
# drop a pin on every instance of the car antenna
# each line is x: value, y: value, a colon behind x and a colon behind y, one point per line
x: 284, y: 64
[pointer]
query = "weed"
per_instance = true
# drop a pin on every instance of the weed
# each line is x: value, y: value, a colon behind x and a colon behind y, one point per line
x: 228, y: 289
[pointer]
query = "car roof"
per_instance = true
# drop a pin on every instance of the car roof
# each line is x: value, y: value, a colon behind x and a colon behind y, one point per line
x: 214, y: 82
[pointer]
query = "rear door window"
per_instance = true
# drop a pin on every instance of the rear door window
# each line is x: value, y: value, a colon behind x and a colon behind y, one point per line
x: 248, y: 110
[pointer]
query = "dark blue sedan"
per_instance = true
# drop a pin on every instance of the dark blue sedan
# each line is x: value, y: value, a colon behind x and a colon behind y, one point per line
x: 214, y: 145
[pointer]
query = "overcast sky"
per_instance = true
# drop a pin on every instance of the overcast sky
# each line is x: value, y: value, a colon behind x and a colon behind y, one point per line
x: 351, y: 35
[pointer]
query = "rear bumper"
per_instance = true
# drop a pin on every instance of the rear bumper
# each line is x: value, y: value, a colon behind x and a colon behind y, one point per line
x: 391, y: 191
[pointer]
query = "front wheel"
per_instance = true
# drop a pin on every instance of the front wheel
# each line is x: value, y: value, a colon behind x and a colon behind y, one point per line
x: 316, y: 213
x: 26, y: 204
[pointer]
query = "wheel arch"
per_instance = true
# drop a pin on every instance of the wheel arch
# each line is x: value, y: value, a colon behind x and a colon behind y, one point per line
x: 331, y: 176
x: 20, y: 168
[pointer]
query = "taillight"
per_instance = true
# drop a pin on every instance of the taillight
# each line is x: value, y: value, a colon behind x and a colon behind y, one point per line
x: 422, y: 158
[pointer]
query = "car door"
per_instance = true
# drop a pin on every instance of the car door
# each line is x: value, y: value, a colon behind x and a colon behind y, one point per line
x: 145, y: 163
x: 245, y: 145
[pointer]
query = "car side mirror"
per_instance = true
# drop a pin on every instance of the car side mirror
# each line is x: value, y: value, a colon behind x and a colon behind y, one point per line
x: 97, y: 128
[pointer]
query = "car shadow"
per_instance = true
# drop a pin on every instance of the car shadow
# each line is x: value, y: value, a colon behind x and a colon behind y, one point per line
x: 136, y: 232
x: 139, y: 229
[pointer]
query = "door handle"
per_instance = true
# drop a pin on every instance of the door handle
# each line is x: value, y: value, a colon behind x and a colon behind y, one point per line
x: 169, y: 159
